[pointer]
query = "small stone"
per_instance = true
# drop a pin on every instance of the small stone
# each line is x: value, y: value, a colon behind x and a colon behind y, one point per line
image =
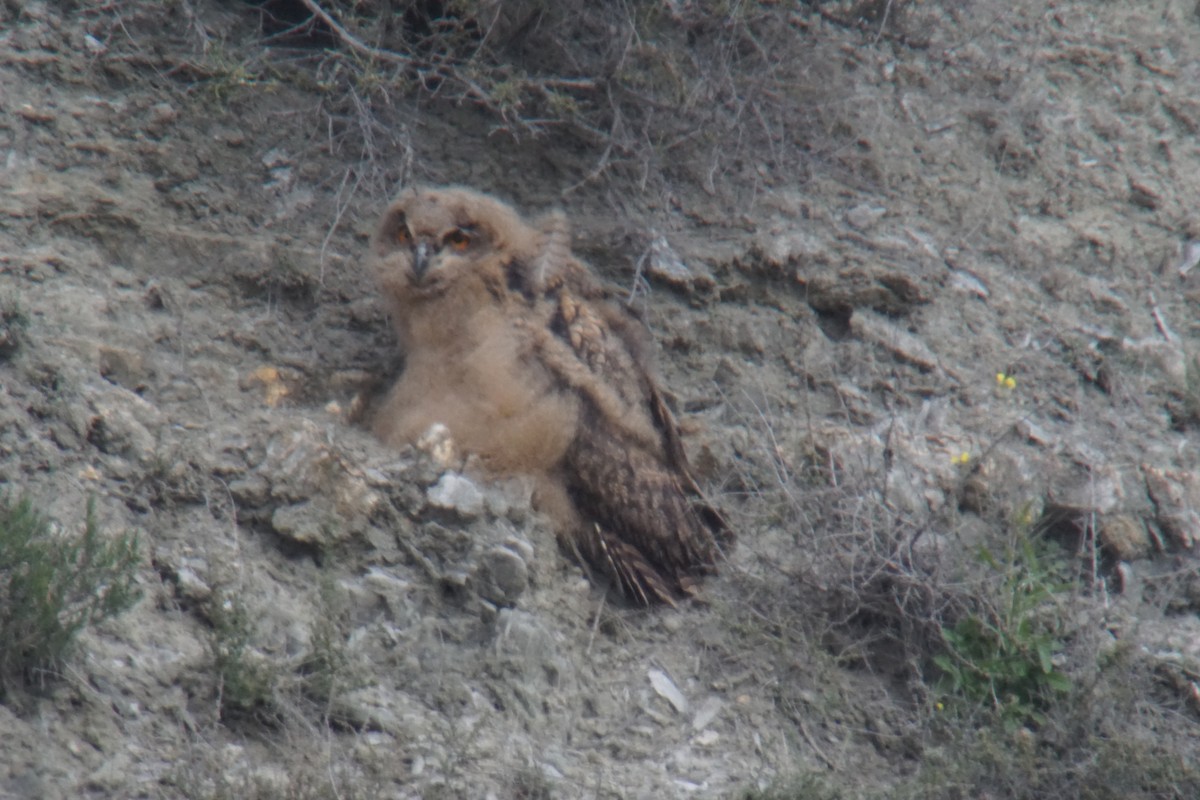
x: 873, y: 327
x: 967, y: 283
x: 94, y: 45
x: 163, y: 113
x: 275, y: 158
x: 190, y: 586
x: 36, y: 115
x: 864, y: 216
x: 666, y: 688
x: 727, y: 374
x: 124, y: 367
x: 1125, y: 538
x: 276, y: 383
x: 299, y: 523
x: 458, y: 494
x: 503, y: 576
x: 708, y: 711
x: 519, y: 546
x: 1176, y: 496
x: 663, y: 263
x: 122, y: 426
x: 438, y: 444
x: 252, y: 490
x: 748, y: 340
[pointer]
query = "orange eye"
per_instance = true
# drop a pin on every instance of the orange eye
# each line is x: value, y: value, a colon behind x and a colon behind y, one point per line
x: 457, y: 239
x: 402, y: 235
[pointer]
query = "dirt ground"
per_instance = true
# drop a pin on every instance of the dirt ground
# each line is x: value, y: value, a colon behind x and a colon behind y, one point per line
x: 1008, y: 188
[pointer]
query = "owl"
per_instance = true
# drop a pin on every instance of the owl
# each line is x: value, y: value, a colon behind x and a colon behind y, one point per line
x: 510, y: 342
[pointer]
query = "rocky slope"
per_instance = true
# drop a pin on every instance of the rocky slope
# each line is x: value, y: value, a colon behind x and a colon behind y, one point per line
x: 187, y: 317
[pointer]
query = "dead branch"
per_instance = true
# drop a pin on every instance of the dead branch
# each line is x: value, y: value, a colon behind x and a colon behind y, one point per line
x: 352, y: 41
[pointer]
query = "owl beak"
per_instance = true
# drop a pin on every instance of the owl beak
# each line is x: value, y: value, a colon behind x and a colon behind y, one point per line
x: 420, y: 259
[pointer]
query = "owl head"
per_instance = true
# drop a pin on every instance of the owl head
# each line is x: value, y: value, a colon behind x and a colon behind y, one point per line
x: 431, y: 243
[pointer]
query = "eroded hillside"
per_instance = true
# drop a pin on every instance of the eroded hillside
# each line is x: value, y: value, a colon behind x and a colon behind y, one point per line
x: 922, y: 283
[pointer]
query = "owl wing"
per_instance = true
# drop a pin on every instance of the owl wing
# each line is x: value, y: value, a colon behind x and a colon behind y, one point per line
x: 647, y: 524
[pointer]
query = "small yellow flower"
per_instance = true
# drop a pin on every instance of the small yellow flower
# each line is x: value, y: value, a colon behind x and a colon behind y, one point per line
x: 961, y: 458
x: 940, y: 707
x: 1005, y: 381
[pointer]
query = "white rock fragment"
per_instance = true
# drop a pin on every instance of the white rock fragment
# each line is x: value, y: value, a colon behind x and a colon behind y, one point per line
x: 1191, y: 257
x: 968, y: 283
x: 438, y: 444
x: 689, y: 786
x: 384, y: 582
x: 275, y: 157
x: 777, y: 250
x: 519, y: 546
x: 864, y: 216
x: 665, y: 264
x: 456, y: 493
x: 667, y: 690
x: 706, y: 713
x: 191, y: 585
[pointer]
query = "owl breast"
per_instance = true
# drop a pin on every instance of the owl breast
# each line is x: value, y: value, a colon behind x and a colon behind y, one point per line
x: 497, y: 401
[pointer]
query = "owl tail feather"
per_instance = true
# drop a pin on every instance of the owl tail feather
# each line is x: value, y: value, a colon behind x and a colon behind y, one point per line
x: 634, y: 576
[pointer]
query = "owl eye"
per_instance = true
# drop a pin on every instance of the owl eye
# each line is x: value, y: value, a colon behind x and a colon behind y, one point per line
x: 457, y: 239
x: 402, y: 235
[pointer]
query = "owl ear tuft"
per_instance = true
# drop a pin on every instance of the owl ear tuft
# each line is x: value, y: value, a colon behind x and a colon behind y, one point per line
x: 393, y: 230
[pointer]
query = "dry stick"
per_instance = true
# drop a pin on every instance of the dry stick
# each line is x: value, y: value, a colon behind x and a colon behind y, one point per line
x: 887, y: 12
x: 358, y: 45
x: 595, y: 625
x: 340, y: 210
x: 1159, y: 321
x: 352, y: 41
x: 812, y: 742
x: 860, y: 25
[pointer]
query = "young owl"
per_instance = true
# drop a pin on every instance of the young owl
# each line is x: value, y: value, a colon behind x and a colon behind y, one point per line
x: 509, y: 342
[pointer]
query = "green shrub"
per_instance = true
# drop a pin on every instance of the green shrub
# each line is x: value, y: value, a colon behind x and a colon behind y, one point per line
x: 1003, y: 654
x: 992, y: 762
x: 246, y: 683
x: 54, y: 585
x: 13, y: 324
x: 329, y: 670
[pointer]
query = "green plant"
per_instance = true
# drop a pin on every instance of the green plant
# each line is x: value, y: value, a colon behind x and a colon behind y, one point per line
x: 52, y: 585
x: 246, y: 684
x: 994, y: 762
x: 13, y: 323
x: 226, y: 75
x: 328, y: 669
x: 1185, y: 408
x: 1004, y: 653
